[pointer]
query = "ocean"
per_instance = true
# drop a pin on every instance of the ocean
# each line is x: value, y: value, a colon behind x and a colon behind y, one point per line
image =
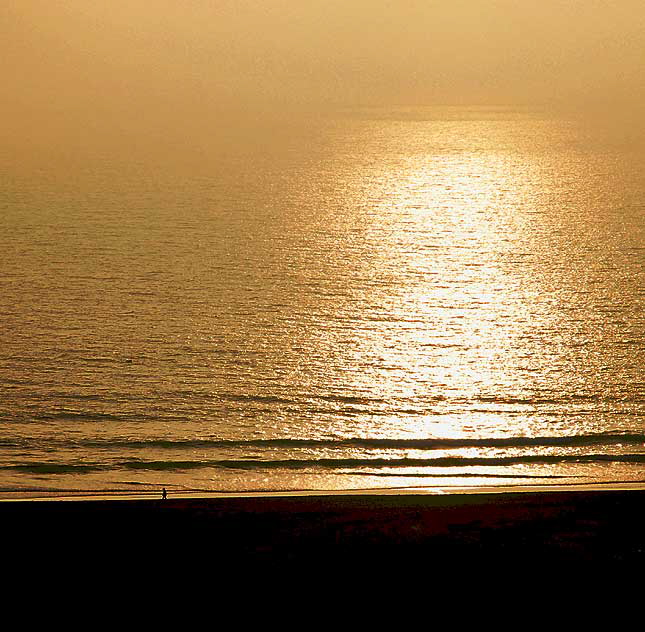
x: 427, y: 298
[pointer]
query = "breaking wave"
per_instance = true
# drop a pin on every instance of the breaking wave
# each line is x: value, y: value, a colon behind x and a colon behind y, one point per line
x: 326, y: 463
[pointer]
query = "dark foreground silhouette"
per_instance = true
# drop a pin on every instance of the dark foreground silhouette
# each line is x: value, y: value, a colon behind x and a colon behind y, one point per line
x: 318, y: 534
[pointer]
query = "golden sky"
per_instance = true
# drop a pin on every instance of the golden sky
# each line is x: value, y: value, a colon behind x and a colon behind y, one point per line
x: 141, y: 66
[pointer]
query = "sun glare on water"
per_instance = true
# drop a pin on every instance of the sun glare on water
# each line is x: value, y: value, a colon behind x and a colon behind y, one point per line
x: 450, y: 230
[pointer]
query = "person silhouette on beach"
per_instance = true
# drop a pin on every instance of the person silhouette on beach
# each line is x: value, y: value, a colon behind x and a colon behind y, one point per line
x: 164, y: 494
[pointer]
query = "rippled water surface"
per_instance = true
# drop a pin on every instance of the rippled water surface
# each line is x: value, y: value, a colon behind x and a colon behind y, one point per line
x: 404, y: 298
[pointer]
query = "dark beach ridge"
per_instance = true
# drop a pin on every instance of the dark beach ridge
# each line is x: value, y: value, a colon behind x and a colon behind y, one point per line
x: 318, y: 532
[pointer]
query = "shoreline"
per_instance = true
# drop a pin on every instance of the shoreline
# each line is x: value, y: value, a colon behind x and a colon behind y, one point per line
x: 435, y: 490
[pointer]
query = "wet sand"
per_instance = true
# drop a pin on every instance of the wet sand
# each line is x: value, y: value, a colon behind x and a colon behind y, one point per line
x: 328, y: 532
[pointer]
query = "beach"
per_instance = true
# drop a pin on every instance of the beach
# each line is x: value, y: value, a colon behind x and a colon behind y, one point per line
x: 317, y: 533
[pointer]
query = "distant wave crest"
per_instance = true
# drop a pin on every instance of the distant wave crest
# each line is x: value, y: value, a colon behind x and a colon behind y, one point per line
x: 430, y: 443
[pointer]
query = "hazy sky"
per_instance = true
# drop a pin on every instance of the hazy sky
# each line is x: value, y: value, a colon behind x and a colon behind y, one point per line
x: 99, y: 70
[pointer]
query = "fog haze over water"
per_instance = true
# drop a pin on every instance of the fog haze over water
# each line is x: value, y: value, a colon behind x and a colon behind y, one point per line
x: 95, y: 79
x: 249, y: 246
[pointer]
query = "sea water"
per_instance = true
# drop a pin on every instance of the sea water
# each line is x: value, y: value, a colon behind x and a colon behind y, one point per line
x: 427, y: 298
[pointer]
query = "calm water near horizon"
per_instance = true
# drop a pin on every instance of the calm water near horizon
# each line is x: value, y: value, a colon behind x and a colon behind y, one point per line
x: 411, y: 297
